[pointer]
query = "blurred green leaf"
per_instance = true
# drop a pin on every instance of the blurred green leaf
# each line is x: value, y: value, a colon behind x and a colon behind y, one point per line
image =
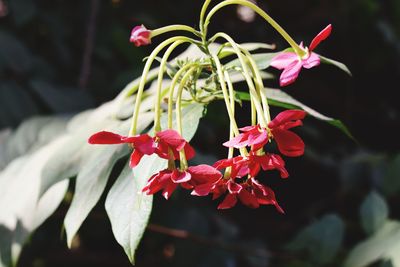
x: 391, y: 179
x: 322, y: 239
x: 23, y: 11
x: 374, y: 212
x: 384, y: 244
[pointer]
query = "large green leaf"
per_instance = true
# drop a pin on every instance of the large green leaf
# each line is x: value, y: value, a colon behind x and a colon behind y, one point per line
x: 374, y: 212
x: 384, y: 244
x: 127, y: 207
x: 263, y: 61
x: 96, y: 166
x: 322, y: 239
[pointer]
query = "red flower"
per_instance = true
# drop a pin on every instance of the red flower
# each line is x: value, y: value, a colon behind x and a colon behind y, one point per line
x: 289, y: 143
x: 142, y: 144
x: 140, y: 36
x: 251, y: 194
x: 171, y: 141
x: 195, y: 177
x: 254, y: 136
x: 291, y: 63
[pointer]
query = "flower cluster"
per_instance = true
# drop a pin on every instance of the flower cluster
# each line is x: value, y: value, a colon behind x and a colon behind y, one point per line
x: 237, y: 176
x: 239, y: 181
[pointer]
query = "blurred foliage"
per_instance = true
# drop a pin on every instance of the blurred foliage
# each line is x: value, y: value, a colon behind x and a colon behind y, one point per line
x: 342, y: 200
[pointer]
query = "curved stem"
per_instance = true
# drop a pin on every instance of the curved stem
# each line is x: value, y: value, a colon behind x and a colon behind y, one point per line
x: 202, y: 14
x: 172, y: 89
x: 157, y: 104
x: 232, y: 100
x: 178, y: 108
x: 259, y: 84
x: 252, y: 89
x: 229, y: 109
x: 263, y: 14
x: 143, y: 79
x: 170, y: 28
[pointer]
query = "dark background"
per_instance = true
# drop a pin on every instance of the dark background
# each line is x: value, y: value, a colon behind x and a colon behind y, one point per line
x: 42, y: 71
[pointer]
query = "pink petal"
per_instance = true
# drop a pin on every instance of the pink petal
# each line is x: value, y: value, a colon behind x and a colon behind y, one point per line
x: 106, y: 138
x: 204, y: 174
x: 320, y: 37
x: 290, y: 73
x: 312, y: 61
x: 229, y: 202
x: 283, y: 60
x: 135, y: 158
x: 289, y: 143
x: 237, y: 142
x: 258, y: 140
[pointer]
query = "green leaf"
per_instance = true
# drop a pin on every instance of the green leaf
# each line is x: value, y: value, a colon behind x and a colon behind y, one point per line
x: 374, y: 212
x: 263, y: 61
x: 127, y: 207
x: 227, y: 51
x: 322, y: 239
x: 384, y: 244
x: 335, y: 63
x: 278, y: 98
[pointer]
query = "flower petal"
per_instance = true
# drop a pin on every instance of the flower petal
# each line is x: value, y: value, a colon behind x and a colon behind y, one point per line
x: 287, y: 116
x: 172, y: 138
x: 234, y: 188
x: 168, y: 190
x: 204, y: 174
x: 312, y: 61
x: 248, y: 199
x: 180, y: 177
x: 290, y: 73
x: 229, y: 202
x: 320, y: 37
x: 283, y: 60
x: 106, y: 138
x: 289, y: 143
x: 202, y: 190
x: 135, y: 158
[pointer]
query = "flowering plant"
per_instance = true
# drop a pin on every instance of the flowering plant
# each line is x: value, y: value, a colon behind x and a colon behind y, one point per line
x: 160, y: 158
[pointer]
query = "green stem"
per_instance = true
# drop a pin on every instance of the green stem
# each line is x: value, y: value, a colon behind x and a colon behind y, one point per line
x: 263, y: 14
x: 163, y: 64
x: 170, y: 28
x: 143, y: 80
x: 232, y: 100
x: 202, y: 14
x: 185, y: 78
x: 252, y: 89
x: 229, y: 109
x: 259, y: 84
x: 172, y: 89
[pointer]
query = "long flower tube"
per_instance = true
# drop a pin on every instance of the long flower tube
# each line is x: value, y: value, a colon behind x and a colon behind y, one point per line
x: 259, y: 84
x: 263, y: 14
x: 163, y: 64
x: 146, y: 70
x: 172, y: 90
x: 185, y: 78
x: 176, y: 27
x: 252, y: 89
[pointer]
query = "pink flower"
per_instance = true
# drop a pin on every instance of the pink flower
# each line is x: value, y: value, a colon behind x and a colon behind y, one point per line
x: 140, y: 36
x: 171, y: 141
x: 254, y: 136
x: 291, y: 63
x: 289, y: 143
x: 142, y: 144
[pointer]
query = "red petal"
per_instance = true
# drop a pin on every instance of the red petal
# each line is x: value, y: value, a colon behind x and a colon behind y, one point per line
x: 168, y: 190
x: 202, y: 190
x: 320, y: 37
x: 106, y: 138
x: 287, y: 116
x: 289, y: 143
x: 189, y: 151
x: 258, y: 140
x: 171, y: 137
x: 234, y: 188
x: 228, y: 202
x: 204, y: 174
x: 135, y: 158
x: 180, y: 177
x: 237, y: 142
x: 248, y: 199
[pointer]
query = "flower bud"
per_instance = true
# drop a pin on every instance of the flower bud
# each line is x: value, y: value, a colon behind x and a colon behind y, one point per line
x: 140, y: 36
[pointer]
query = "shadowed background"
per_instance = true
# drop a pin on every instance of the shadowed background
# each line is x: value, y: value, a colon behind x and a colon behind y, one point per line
x: 61, y: 57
